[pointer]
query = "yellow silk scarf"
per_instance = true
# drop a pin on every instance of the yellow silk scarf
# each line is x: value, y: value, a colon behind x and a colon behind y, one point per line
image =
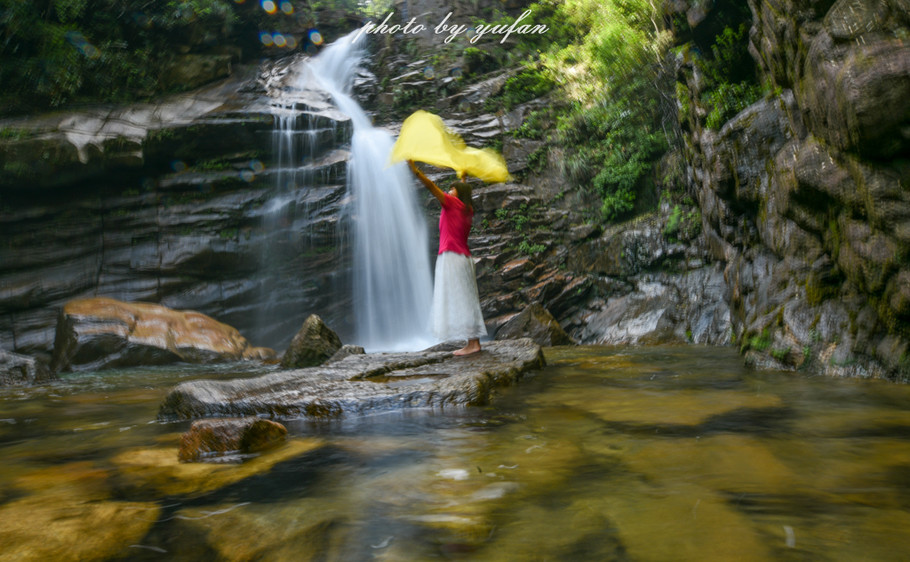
x: 425, y: 138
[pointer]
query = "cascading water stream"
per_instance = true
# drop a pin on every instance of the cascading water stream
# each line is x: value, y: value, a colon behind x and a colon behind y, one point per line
x: 392, y: 283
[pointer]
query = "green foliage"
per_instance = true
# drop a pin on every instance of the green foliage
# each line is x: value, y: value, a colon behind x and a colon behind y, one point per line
x: 538, y: 159
x: 608, y: 65
x: 519, y: 219
x: 52, y: 52
x: 213, y: 165
x: 529, y: 84
x: 534, y: 125
x: 682, y: 224
x: 528, y: 249
x: 685, y: 106
x: 13, y: 133
x: 732, y: 85
x: 477, y: 61
x: 780, y: 353
x: 673, y: 222
x: 729, y: 99
x: 56, y: 51
x: 612, y: 145
x: 730, y: 56
x: 760, y: 343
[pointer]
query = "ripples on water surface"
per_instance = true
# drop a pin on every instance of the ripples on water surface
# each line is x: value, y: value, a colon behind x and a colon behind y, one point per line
x: 670, y: 453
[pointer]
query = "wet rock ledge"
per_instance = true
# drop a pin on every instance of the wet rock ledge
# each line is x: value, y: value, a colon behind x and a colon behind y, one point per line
x: 359, y: 384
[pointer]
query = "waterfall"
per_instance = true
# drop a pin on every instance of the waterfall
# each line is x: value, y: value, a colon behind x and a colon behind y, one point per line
x: 392, y: 283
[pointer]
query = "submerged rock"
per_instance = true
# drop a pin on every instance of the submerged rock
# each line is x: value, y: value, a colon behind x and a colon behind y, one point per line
x: 537, y: 323
x: 66, y: 512
x: 207, y: 439
x: 155, y: 472
x: 18, y: 369
x: 101, y: 333
x: 360, y: 383
x: 313, y: 345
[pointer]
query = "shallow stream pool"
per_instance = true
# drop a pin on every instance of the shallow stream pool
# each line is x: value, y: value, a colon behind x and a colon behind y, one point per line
x: 654, y: 453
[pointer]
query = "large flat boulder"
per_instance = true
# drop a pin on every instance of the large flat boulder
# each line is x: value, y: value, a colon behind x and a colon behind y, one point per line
x: 100, y: 333
x: 359, y: 384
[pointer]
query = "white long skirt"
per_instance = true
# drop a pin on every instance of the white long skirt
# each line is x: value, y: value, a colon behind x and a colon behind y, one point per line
x: 456, y: 306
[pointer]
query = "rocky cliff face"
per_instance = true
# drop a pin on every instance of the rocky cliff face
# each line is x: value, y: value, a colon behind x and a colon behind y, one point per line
x: 804, y: 194
x: 800, y: 258
x: 177, y: 203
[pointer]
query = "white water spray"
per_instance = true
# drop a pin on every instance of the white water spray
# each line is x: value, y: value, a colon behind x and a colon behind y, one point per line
x: 393, y: 288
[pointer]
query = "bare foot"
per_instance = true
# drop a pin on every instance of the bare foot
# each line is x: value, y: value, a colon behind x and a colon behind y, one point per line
x: 472, y: 347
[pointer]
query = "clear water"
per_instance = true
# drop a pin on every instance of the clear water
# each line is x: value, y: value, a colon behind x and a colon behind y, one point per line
x: 668, y: 453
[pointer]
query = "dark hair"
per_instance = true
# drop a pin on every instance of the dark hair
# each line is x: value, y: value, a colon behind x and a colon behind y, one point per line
x: 464, y: 191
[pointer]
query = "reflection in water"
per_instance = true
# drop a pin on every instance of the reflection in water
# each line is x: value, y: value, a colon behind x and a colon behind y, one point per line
x: 609, y: 454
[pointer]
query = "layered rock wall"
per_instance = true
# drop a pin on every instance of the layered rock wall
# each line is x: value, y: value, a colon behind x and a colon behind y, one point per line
x: 177, y: 203
x: 805, y: 194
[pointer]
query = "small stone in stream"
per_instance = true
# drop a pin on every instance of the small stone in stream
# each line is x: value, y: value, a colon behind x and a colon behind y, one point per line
x: 313, y: 345
x: 215, y: 438
x: 537, y: 323
x: 345, y: 351
x: 18, y: 369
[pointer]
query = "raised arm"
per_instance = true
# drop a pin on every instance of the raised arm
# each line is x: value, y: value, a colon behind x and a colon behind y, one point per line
x: 428, y: 183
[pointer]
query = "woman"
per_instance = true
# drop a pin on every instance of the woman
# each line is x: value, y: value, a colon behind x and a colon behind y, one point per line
x: 456, y: 307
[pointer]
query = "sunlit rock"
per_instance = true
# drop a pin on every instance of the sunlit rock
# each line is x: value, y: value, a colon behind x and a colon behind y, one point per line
x: 99, y: 333
x: 150, y: 472
x: 65, y: 513
x: 643, y: 406
x: 723, y: 463
x: 685, y: 523
x: 43, y: 527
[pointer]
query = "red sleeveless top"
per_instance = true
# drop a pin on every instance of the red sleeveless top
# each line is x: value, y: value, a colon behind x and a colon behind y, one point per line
x: 454, y: 226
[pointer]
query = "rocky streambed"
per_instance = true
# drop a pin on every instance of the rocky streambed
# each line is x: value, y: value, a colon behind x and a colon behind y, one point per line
x: 649, y: 453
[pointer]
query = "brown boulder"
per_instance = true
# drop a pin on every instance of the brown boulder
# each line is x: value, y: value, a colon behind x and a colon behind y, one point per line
x: 537, y: 323
x: 216, y: 438
x: 313, y: 345
x: 100, y: 333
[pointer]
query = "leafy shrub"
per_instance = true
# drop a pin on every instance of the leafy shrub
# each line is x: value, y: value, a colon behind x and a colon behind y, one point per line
x: 729, y: 99
x: 528, y: 249
x: 730, y: 71
x: 56, y: 51
x: 527, y: 85
x: 673, y: 222
x: 612, y: 146
x: 477, y: 61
